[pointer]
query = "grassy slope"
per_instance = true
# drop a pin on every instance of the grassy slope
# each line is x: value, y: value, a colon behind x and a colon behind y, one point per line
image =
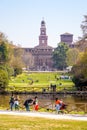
x: 8, y: 122
x: 40, y: 80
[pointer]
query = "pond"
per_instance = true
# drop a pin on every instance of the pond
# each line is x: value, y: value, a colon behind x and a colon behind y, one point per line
x: 45, y: 100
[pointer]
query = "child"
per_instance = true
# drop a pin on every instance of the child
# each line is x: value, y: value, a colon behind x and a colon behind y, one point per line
x: 16, y: 104
x: 35, y: 103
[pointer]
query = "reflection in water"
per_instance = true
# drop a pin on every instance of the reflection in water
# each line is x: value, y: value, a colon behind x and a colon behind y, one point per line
x: 44, y: 100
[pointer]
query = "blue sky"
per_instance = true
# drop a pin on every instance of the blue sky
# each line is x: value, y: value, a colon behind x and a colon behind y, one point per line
x: 20, y: 19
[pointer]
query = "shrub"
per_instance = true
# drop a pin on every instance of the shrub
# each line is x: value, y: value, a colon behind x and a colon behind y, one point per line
x: 17, y: 71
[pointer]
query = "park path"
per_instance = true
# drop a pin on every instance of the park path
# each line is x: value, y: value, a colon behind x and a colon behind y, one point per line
x: 46, y: 115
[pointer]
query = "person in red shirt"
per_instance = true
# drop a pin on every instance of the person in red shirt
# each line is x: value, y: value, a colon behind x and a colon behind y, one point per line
x: 57, y: 104
x: 35, y: 103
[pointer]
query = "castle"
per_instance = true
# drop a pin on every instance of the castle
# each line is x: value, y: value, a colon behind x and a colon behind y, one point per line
x: 42, y: 54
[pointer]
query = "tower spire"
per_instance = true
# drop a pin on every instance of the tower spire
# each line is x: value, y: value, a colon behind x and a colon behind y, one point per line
x: 43, y: 18
x: 43, y: 37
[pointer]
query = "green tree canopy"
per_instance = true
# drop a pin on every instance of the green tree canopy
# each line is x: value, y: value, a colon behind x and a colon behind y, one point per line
x: 3, y: 79
x: 80, y: 71
x: 72, y: 56
x: 59, y: 56
x: 10, y: 56
x: 3, y: 52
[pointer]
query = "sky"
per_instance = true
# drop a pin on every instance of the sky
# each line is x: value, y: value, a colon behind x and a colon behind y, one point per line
x: 21, y: 20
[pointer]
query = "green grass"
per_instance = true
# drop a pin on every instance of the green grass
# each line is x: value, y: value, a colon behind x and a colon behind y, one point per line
x: 37, y: 81
x: 8, y: 122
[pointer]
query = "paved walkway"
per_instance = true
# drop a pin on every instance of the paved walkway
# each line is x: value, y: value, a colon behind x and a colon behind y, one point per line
x: 46, y: 115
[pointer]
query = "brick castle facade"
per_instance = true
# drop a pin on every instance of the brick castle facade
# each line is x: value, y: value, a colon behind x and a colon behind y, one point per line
x: 42, y: 54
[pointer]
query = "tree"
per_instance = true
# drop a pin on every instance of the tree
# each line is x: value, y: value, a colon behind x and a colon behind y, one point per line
x: 28, y: 59
x: 10, y: 56
x: 15, y: 60
x: 80, y: 72
x: 3, y: 37
x: 72, y: 56
x: 3, y: 52
x: 84, y: 27
x: 7, y: 69
x: 59, y: 56
x: 81, y: 44
x: 3, y: 79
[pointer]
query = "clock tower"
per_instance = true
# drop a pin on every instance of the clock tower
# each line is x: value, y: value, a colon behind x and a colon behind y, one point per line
x: 42, y: 53
x: 43, y: 37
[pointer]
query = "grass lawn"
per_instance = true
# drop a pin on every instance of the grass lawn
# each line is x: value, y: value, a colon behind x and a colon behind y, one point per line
x: 8, y: 122
x: 37, y: 81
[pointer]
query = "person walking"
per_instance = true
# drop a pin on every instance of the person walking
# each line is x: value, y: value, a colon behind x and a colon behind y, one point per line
x: 16, y: 104
x: 11, y: 102
x: 27, y: 104
x: 57, y: 104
